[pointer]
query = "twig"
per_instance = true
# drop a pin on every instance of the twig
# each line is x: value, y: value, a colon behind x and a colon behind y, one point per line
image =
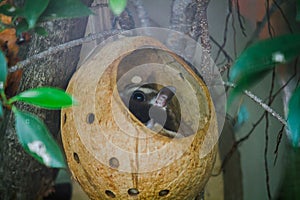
x: 225, y: 31
x: 263, y: 22
x: 259, y: 102
x: 270, y: 27
x: 283, y: 16
x: 266, y: 107
x: 240, y: 18
x: 61, y: 47
x: 279, y: 137
x: 234, y: 35
x: 221, y: 49
x: 224, y: 68
x: 267, y: 136
x: 237, y: 144
x: 266, y: 156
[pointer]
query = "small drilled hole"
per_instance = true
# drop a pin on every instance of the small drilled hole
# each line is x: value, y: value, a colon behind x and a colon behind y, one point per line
x: 90, y: 118
x: 76, y: 157
x: 163, y: 193
x: 114, y: 162
x: 110, y: 194
x: 133, y: 192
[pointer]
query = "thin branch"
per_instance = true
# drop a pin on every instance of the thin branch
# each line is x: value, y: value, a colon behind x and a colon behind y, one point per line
x: 260, y: 102
x: 266, y: 156
x: 267, y: 136
x: 270, y: 27
x: 272, y: 87
x: 237, y: 144
x: 61, y: 47
x: 221, y: 49
x: 240, y: 18
x: 225, y: 32
x: 224, y: 68
x: 283, y: 16
x: 234, y: 36
x: 279, y: 137
x: 263, y: 22
x: 268, y: 109
x: 223, y: 63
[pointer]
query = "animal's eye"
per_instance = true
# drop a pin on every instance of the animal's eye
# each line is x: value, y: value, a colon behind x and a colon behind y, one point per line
x: 138, y: 96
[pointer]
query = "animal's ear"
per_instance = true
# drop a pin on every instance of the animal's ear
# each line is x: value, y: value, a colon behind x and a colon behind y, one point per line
x: 169, y: 91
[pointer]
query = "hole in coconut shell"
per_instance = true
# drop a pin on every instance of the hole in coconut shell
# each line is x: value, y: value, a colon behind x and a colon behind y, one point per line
x: 114, y: 162
x: 110, y: 194
x: 133, y: 192
x: 128, y: 81
x: 90, y: 118
x: 76, y: 157
x: 163, y: 193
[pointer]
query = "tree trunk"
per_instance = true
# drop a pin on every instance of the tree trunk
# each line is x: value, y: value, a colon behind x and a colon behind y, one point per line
x: 22, y: 177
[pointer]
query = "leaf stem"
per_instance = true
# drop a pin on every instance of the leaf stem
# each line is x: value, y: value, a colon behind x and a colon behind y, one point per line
x: 11, y: 100
x: 4, y: 99
x: 14, y: 109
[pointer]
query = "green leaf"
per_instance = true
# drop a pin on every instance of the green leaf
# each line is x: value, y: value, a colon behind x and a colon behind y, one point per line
x: 32, y: 10
x: 293, y: 117
x: 263, y: 55
x: 65, y: 9
x: 256, y: 61
x: 37, y: 141
x: 3, y: 70
x: 45, y: 97
x: 117, y: 6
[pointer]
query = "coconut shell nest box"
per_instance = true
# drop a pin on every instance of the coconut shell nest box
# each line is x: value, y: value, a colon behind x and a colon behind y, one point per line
x: 111, y: 153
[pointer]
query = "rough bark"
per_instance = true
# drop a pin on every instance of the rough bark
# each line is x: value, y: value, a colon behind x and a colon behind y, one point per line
x: 21, y: 177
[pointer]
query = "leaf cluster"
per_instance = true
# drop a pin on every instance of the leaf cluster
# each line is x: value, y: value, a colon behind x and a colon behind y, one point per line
x: 32, y: 133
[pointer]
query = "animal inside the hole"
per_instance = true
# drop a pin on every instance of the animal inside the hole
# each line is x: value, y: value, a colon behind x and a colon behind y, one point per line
x: 152, y: 104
